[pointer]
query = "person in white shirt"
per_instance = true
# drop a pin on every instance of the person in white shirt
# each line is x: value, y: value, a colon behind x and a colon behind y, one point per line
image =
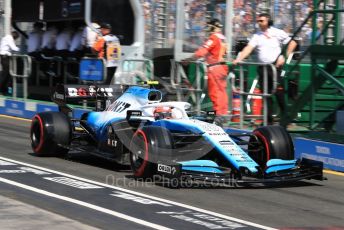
x: 7, y: 47
x: 63, y: 41
x: 34, y: 40
x: 49, y: 40
x: 76, y: 48
x: 268, y: 43
x: 89, y: 37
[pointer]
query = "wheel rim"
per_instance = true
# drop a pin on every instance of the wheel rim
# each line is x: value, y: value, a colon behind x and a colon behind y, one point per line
x: 137, y: 149
x: 37, y: 134
x: 139, y: 153
x: 265, y: 142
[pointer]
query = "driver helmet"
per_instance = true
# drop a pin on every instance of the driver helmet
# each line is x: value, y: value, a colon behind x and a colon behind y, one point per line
x: 162, y: 112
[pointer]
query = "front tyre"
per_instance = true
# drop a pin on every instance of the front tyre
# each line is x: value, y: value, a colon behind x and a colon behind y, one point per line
x: 147, y: 146
x: 270, y: 142
x: 49, y: 131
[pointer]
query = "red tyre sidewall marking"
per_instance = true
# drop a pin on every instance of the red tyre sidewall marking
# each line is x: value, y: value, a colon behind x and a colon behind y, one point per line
x: 266, y: 143
x: 139, y: 172
x: 41, y: 140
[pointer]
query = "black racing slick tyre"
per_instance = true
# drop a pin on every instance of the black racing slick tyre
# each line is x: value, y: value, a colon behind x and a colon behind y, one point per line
x: 270, y: 142
x: 149, y: 145
x: 49, y: 131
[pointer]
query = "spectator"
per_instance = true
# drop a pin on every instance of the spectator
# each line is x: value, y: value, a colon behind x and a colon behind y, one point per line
x: 34, y: 40
x: 198, y: 28
x: 219, y: 14
x: 316, y: 33
x: 108, y: 47
x: 268, y: 42
x: 214, y: 51
x: 7, y: 47
x: 195, y: 23
x: 238, y: 3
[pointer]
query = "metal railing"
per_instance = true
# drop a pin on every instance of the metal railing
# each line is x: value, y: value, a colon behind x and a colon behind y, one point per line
x: 131, y: 69
x: 265, y: 94
x: 198, y: 89
x: 187, y: 90
x: 26, y: 72
x: 54, y: 70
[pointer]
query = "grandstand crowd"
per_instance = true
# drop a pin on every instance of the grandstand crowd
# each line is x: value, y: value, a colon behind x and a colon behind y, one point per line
x: 287, y: 15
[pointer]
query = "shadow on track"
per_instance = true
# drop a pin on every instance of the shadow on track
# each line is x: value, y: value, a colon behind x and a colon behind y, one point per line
x: 91, y: 160
x: 206, y: 185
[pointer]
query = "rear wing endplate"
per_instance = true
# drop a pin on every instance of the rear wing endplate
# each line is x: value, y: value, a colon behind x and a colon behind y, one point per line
x: 76, y: 94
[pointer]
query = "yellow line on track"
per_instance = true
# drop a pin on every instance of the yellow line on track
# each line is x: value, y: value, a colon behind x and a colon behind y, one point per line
x: 15, y: 118
x: 333, y: 172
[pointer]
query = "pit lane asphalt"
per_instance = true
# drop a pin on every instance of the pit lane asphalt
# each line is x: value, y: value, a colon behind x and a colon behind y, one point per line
x: 306, y: 204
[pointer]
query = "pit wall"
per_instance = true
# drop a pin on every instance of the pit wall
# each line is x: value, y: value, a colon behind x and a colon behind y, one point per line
x: 27, y: 109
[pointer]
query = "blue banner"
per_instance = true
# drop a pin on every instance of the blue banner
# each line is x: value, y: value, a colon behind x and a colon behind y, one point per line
x: 17, y: 109
x: 46, y: 108
x: 331, y: 154
x: 91, y: 70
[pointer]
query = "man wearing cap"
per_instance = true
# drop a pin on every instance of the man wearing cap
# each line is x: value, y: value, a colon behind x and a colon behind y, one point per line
x: 269, y: 42
x: 214, y: 51
x: 108, y: 47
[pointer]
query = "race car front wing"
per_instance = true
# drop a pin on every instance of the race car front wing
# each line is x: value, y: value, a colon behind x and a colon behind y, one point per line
x: 176, y: 175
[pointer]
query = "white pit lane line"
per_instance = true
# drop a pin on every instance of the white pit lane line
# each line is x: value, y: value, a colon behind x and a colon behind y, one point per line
x: 81, y: 203
x: 114, y: 213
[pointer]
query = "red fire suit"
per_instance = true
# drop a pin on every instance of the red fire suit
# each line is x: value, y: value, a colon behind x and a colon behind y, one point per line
x: 214, y: 50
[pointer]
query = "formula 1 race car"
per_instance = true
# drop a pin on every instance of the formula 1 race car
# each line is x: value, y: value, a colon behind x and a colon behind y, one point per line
x: 162, y: 138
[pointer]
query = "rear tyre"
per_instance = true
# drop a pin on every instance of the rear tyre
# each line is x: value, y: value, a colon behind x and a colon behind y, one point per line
x: 147, y: 147
x: 48, y: 131
x: 270, y: 142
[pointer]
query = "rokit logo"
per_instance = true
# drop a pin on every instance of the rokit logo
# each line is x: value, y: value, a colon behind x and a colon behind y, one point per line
x: 166, y: 169
x: 91, y: 92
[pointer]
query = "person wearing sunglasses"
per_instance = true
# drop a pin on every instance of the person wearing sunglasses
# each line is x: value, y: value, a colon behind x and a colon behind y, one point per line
x: 268, y: 42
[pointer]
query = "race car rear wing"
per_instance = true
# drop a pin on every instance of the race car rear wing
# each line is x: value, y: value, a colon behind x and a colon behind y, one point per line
x: 100, y: 95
